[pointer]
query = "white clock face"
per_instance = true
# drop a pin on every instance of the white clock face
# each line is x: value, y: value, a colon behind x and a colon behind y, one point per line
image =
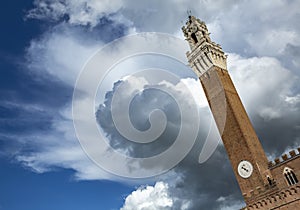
x: 245, y: 169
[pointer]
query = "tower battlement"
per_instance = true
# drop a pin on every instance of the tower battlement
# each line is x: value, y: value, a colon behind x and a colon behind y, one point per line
x: 284, y: 158
x: 205, y: 53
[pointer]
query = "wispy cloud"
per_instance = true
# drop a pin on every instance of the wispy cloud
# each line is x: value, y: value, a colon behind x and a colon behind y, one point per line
x: 79, y: 12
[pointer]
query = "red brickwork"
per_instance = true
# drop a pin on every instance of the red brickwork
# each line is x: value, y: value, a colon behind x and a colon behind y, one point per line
x: 238, y: 135
x: 241, y: 143
x: 283, y: 195
x: 272, y: 185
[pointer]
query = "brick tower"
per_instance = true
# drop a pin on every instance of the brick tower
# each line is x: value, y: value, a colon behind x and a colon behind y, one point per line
x: 247, y: 157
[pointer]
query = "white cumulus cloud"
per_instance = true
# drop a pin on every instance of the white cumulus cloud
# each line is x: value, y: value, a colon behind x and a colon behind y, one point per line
x: 149, y: 198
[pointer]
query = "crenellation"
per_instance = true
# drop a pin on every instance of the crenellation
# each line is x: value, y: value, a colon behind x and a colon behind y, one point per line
x: 210, y: 53
x: 292, y: 153
x: 270, y: 164
x: 284, y: 158
x: 277, y: 161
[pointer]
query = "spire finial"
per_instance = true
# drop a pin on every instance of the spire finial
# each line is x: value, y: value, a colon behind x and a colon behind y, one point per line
x: 189, y: 12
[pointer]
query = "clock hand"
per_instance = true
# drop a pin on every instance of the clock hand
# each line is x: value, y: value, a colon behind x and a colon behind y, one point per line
x: 245, y: 168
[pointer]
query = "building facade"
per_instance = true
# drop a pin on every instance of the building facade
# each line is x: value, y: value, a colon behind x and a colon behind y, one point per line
x: 264, y: 184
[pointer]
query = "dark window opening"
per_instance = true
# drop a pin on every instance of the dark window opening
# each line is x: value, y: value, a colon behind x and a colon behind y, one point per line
x: 294, y: 177
x: 194, y: 37
x: 288, y: 179
x: 290, y: 176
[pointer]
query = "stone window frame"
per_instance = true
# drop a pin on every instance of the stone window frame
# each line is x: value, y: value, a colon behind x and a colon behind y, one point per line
x: 290, y: 176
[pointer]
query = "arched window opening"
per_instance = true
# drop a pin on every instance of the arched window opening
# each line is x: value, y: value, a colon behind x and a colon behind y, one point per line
x: 288, y: 179
x: 193, y: 35
x: 290, y: 176
x: 294, y: 177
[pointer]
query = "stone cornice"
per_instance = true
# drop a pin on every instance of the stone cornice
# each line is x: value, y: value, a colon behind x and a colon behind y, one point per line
x: 204, y: 53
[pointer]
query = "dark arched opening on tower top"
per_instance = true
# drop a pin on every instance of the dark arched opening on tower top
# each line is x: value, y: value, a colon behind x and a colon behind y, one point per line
x: 193, y: 35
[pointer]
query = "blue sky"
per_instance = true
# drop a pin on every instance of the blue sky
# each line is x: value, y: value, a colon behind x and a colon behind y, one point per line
x: 45, y: 44
x: 22, y: 188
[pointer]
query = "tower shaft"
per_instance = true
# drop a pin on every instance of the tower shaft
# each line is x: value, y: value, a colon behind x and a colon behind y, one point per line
x: 238, y: 135
x: 245, y: 152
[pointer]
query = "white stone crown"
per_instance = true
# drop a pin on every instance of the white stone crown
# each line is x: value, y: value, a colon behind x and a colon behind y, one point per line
x: 204, y: 53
